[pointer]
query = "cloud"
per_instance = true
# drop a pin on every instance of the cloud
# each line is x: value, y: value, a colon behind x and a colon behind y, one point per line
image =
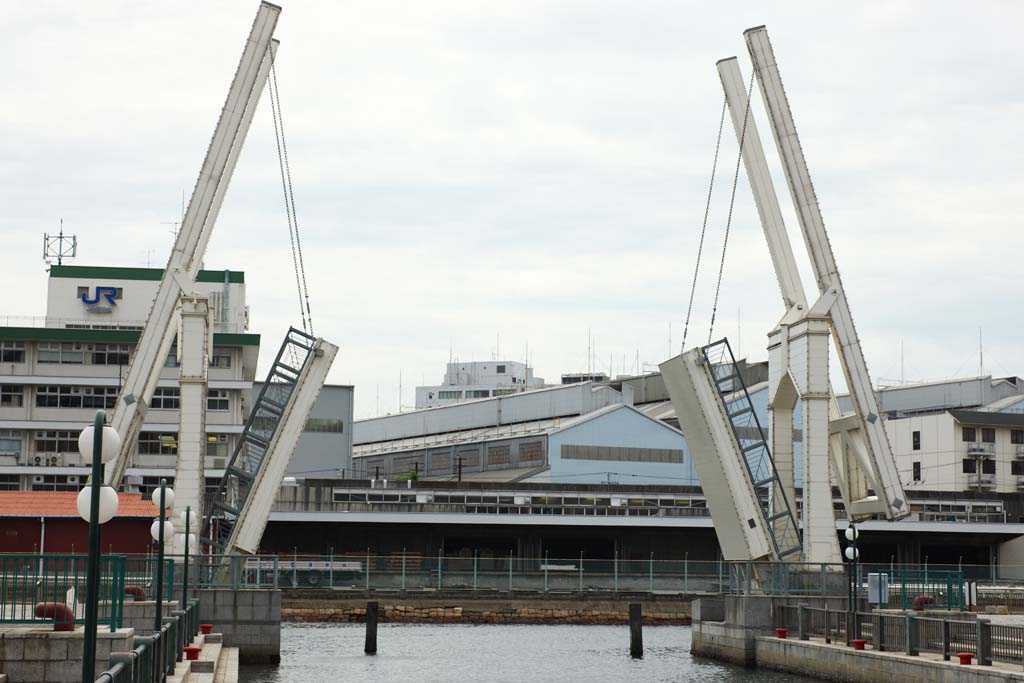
x: 466, y: 171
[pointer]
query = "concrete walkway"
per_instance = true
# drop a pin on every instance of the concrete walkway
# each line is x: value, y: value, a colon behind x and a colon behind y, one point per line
x: 838, y: 662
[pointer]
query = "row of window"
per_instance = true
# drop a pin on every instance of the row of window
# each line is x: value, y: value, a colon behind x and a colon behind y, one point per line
x: 475, y: 393
x: 78, y: 353
x: 72, y: 396
x: 970, y: 435
x: 63, y: 441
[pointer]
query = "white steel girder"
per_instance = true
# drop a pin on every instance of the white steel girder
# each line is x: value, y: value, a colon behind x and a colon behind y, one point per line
x: 252, y: 518
x: 730, y: 493
x: 860, y: 434
x: 196, y: 228
x: 194, y: 343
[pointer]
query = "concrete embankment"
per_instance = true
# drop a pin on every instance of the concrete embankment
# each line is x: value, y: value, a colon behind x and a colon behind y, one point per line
x: 482, y: 607
x: 840, y: 664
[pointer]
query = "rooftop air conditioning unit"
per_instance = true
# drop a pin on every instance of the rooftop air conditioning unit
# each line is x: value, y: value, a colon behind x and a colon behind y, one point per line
x: 37, y: 479
x: 37, y: 461
x: 72, y: 478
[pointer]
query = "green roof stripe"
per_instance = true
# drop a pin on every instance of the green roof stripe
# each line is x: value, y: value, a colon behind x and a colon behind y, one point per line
x: 236, y: 277
x: 112, y: 336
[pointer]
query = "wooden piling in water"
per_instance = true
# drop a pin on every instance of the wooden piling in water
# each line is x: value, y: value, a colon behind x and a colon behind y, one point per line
x: 636, y: 631
x: 371, y: 629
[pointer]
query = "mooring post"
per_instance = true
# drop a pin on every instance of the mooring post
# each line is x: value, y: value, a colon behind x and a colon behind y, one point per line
x: 636, y: 631
x: 371, y: 629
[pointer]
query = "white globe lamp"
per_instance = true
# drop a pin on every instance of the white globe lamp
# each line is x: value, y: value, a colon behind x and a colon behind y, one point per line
x: 111, y: 444
x: 168, y: 497
x: 168, y: 531
x: 851, y: 533
x: 108, y: 504
x: 852, y: 553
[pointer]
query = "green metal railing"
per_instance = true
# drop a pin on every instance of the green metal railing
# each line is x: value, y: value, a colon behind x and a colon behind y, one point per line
x: 926, y: 589
x: 141, y: 572
x: 28, y: 580
x: 154, y: 656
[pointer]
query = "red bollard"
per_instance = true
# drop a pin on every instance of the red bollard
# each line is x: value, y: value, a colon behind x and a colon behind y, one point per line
x: 63, y: 617
x: 206, y: 628
x: 192, y: 652
x: 965, y: 657
x: 859, y: 643
x: 781, y: 633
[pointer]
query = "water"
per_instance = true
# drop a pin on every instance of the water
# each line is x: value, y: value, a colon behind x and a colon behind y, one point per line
x: 432, y: 653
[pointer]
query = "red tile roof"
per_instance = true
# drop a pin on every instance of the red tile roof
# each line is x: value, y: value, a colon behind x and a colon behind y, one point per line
x: 62, y: 504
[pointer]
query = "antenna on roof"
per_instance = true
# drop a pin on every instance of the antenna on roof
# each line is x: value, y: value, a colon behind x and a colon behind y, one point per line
x: 59, y: 247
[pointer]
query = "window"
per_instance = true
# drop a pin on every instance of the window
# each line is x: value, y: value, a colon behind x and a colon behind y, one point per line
x: 172, y: 358
x: 56, y: 442
x: 324, y: 424
x: 10, y: 442
x: 110, y: 354
x: 1017, y: 467
x: 501, y: 369
x: 157, y: 443
x: 970, y: 466
x: 57, y: 482
x: 54, y: 396
x: 969, y: 434
x: 988, y: 435
x: 1017, y: 436
x: 12, y: 352
x: 12, y: 395
x: 217, y: 399
x: 220, y: 359
x: 449, y: 394
x: 477, y: 393
x: 917, y: 471
x: 63, y: 353
x: 217, y: 445
x: 10, y: 482
x: 917, y: 441
x: 988, y: 466
x: 166, y: 398
x: 504, y: 392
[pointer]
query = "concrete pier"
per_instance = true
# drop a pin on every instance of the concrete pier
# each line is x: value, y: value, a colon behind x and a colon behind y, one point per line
x: 249, y: 619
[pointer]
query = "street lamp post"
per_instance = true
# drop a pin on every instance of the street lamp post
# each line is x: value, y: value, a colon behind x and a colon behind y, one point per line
x: 161, y: 530
x: 96, y: 504
x: 190, y: 520
x: 853, y: 555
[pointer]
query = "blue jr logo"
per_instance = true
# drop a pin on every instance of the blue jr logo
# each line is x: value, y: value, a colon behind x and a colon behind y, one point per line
x: 108, y: 293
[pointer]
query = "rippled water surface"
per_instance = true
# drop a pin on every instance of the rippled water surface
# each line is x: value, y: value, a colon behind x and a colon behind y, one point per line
x: 431, y: 653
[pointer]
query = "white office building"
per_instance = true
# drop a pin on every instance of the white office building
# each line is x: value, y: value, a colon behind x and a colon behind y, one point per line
x: 476, y: 380
x: 57, y: 370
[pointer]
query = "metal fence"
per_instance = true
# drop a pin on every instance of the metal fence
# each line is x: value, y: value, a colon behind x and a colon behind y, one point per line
x: 925, y: 589
x: 907, y: 632
x: 141, y: 571
x: 27, y: 581
x: 154, y: 656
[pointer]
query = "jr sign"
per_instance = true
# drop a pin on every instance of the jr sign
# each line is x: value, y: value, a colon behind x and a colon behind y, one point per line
x: 102, y: 301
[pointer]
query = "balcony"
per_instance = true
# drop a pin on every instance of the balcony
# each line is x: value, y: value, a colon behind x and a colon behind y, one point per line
x: 981, y: 450
x: 982, y: 481
x: 1018, y: 451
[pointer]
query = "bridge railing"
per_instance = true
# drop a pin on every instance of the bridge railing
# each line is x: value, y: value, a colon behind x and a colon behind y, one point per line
x: 28, y: 580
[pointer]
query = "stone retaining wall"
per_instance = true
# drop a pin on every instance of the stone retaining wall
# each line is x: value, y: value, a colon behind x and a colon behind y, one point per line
x: 485, y: 608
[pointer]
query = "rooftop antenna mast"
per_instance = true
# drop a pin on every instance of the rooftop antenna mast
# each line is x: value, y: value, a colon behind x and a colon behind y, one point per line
x: 59, y: 247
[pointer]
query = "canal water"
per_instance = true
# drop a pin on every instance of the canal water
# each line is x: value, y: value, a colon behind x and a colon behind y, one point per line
x: 431, y: 653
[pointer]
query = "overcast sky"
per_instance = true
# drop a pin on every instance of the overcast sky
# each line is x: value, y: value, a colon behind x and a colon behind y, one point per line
x: 469, y: 171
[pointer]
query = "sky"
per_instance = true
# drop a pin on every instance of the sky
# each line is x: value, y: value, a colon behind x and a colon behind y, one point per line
x: 475, y: 179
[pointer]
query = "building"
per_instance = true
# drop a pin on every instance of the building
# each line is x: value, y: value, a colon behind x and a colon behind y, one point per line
x: 57, y: 370
x: 478, y: 379
x: 579, y: 432
x: 963, y: 435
